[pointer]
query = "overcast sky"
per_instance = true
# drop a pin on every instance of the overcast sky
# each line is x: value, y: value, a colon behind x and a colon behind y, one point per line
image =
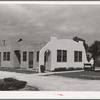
x: 39, y: 22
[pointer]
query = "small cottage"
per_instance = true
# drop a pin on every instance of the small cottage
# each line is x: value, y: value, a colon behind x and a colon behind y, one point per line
x: 62, y: 53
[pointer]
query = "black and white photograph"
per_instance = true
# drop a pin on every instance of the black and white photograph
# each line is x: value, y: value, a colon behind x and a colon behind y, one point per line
x: 49, y: 47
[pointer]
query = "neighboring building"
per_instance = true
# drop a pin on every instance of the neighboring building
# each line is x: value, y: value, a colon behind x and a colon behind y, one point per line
x: 20, y: 55
x: 30, y: 56
x: 62, y: 53
x: 58, y: 53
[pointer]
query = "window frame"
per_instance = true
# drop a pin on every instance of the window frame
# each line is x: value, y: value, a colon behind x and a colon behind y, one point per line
x: 77, y: 56
x: 37, y: 59
x: 61, y: 57
x: 24, y: 55
x: 6, y: 56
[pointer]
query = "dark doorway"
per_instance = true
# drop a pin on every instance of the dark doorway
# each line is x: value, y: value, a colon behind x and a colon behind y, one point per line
x: 18, y: 55
x: 47, y: 59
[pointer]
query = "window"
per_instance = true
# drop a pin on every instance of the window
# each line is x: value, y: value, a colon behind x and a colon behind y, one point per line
x: 77, y: 56
x: 37, y: 56
x: 61, y: 55
x: 6, y: 56
x: 80, y: 56
x: 58, y: 55
x: 24, y: 56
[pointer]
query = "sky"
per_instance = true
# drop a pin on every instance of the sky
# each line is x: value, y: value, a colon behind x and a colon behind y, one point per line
x: 38, y: 22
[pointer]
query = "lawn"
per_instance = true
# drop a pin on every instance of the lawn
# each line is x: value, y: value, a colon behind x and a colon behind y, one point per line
x: 87, y: 75
x: 17, y: 70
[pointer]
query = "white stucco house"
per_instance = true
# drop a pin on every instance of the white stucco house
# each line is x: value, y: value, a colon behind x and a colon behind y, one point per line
x: 62, y: 53
x: 58, y: 53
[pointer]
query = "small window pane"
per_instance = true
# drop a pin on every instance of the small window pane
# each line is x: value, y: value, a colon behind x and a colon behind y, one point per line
x: 76, y: 56
x: 80, y: 56
x: 58, y: 55
x: 37, y: 56
x: 64, y: 55
x: 4, y: 56
x: 24, y: 56
x: 8, y: 56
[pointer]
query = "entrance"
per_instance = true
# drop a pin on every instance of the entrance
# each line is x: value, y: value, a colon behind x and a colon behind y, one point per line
x: 30, y: 59
x: 47, y: 60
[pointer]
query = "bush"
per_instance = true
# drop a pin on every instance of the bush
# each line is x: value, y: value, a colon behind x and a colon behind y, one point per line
x: 9, y: 80
x: 67, y: 69
x: 78, y: 68
x: 60, y: 69
x: 71, y: 69
x: 12, y: 84
x: 42, y: 68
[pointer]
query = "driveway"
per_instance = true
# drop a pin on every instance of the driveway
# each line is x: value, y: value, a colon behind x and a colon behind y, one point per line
x: 54, y: 83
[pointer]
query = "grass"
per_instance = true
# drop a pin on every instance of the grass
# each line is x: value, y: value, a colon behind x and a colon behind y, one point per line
x: 86, y: 75
x: 17, y: 70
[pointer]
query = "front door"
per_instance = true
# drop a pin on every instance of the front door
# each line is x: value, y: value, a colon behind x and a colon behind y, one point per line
x: 30, y: 59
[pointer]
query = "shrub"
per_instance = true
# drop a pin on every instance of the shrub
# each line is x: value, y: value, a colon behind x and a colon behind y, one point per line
x: 71, y: 68
x: 60, y: 69
x: 12, y: 84
x: 42, y: 68
x: 78, y: 68
x: 9, y: 80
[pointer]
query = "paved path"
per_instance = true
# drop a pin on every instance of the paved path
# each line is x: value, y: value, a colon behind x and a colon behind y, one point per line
x: 54, y: 83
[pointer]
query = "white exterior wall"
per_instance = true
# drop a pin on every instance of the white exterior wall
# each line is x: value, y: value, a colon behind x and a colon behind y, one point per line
x: 6, y: 63
x: 31, y: 48
x: 24, y: 64
x: 63, y: 44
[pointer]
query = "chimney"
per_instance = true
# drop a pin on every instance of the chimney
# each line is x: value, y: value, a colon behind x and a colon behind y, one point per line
x: 53, y: 38
x: 81, y: 42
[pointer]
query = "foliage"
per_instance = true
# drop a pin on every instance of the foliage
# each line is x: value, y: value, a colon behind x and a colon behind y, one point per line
x: 95, y: 49
x: 12, y: 84
x: 67, y: 69
x: 60, y: 69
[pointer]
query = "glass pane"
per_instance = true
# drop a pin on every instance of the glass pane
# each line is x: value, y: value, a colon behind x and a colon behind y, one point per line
x: 75, y: 56
x: 58, y: 55
x: 4, y: 56
x: 24, y: 56
x: 64, y: 55
x: 37, y: 56
x: 8, y: 56
x: 80, y: 56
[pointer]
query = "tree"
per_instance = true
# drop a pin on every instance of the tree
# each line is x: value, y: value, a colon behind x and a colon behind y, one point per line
x: 77, y: 39
x: 95, y: 49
